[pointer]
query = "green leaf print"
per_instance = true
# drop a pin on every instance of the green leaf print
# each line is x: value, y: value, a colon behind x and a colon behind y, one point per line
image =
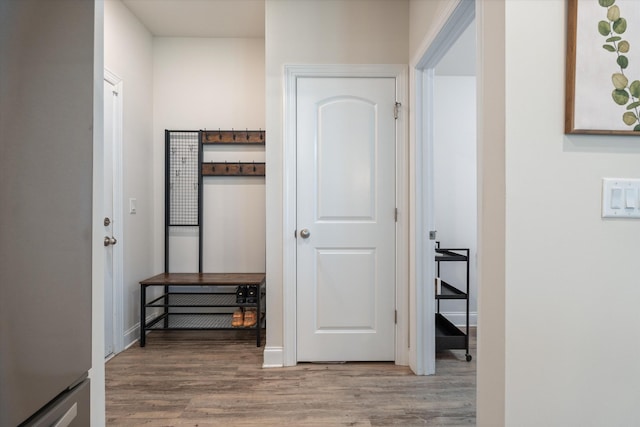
x: 623, y: 94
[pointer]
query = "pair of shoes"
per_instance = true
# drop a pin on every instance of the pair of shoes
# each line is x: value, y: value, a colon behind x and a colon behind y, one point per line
x: 241, y: 294
x: 252, y: 294
x: 237, y: 320
x: 250, y: 318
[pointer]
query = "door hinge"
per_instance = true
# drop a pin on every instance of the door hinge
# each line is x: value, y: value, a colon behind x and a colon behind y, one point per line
x: 395, y: 317
x: 396, y: 215
x: 396, y: 110
x: 114, y: 92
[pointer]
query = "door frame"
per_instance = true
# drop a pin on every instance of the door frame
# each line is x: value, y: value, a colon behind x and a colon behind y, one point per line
x: 118, y: 215
x: 289, y: 285
x: 454, y: 21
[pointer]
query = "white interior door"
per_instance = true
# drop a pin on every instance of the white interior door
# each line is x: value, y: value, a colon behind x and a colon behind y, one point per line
x: 346, y: 181
x: 108, y: 159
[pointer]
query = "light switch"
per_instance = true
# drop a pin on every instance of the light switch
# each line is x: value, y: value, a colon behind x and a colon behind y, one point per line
x: 616, y: 198
x: 630, y: 198
x: 132, y: 206
x: 620, y: 198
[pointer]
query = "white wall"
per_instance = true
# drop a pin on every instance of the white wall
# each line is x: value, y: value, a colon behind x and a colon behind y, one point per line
x: 315, y: 32
x: 572, y: 277
x: 128, y: 54
x: 455, y: 190
x: 211, y: 83
x: 558, y: 284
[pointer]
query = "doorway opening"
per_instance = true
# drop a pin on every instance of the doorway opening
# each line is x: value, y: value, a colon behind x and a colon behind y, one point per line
x: 445, y: 165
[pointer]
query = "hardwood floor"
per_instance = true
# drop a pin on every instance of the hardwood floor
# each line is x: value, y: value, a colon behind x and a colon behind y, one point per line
x: 214, y: 378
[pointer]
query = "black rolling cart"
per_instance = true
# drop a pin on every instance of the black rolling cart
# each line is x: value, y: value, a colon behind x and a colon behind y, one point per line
x: 449, y: 336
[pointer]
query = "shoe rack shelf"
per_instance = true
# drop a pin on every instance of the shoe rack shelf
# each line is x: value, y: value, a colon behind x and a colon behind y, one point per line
x: 448, y: 335
x: 179, y: 308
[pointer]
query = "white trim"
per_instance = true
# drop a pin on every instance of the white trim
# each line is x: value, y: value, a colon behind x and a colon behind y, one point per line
x: 111, y: 77
x: 291, y: 74
x: 444, y: 33
x: 132, y: 343
x: 273, y: 357
x: 424, y: 249
x: 132, y: 335
x: 120, y: 336
x: 452, y: 24
x: 403, y: 326
x: 290, y: 260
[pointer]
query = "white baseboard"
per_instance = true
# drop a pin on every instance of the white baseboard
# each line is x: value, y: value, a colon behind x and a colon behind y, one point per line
x: 459, y: 319
x: 131, y: 335
x: 273, y: 357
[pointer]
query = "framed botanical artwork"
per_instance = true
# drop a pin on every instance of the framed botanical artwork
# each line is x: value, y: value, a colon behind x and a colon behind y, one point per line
x: 603, y: 67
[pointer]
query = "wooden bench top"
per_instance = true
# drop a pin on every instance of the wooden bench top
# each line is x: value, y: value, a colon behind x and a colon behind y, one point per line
x: 205, y: 279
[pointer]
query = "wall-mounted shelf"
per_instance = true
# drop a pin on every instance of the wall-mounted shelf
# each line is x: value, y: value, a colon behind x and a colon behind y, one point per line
x: 233, y: 169
x: 233, y: 136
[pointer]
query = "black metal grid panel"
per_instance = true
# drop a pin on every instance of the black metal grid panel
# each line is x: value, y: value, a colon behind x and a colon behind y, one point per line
x: 183, y: 178
x: 198, y: 300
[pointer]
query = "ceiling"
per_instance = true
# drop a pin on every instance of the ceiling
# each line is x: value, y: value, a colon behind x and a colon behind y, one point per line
x: 200, y: 18
x: 245, y: 19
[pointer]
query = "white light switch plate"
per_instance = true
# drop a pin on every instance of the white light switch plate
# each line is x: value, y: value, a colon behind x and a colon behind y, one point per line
x: 620, y: 198
x: 133, y: 206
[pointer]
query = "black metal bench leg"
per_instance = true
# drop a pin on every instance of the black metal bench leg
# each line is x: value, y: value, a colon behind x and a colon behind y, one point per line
x: 258, y: 314
x: 143, y: 303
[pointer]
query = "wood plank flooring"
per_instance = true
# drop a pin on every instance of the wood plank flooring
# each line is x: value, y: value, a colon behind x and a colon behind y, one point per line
x: 215, y: 378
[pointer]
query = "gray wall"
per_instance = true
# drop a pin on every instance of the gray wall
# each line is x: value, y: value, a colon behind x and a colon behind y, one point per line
x: 46, y: 119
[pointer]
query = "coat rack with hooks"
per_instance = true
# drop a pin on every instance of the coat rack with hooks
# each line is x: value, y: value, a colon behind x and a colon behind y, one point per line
x: 233, y: 169
x: 179, y: 307
x: 233, y: 136
x: 183, y: 191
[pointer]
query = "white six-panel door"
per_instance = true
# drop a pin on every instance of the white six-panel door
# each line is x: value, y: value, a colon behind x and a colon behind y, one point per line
x: 346, y: 219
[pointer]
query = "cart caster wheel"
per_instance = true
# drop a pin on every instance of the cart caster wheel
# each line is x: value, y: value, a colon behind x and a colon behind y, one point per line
x: 469, y: 358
